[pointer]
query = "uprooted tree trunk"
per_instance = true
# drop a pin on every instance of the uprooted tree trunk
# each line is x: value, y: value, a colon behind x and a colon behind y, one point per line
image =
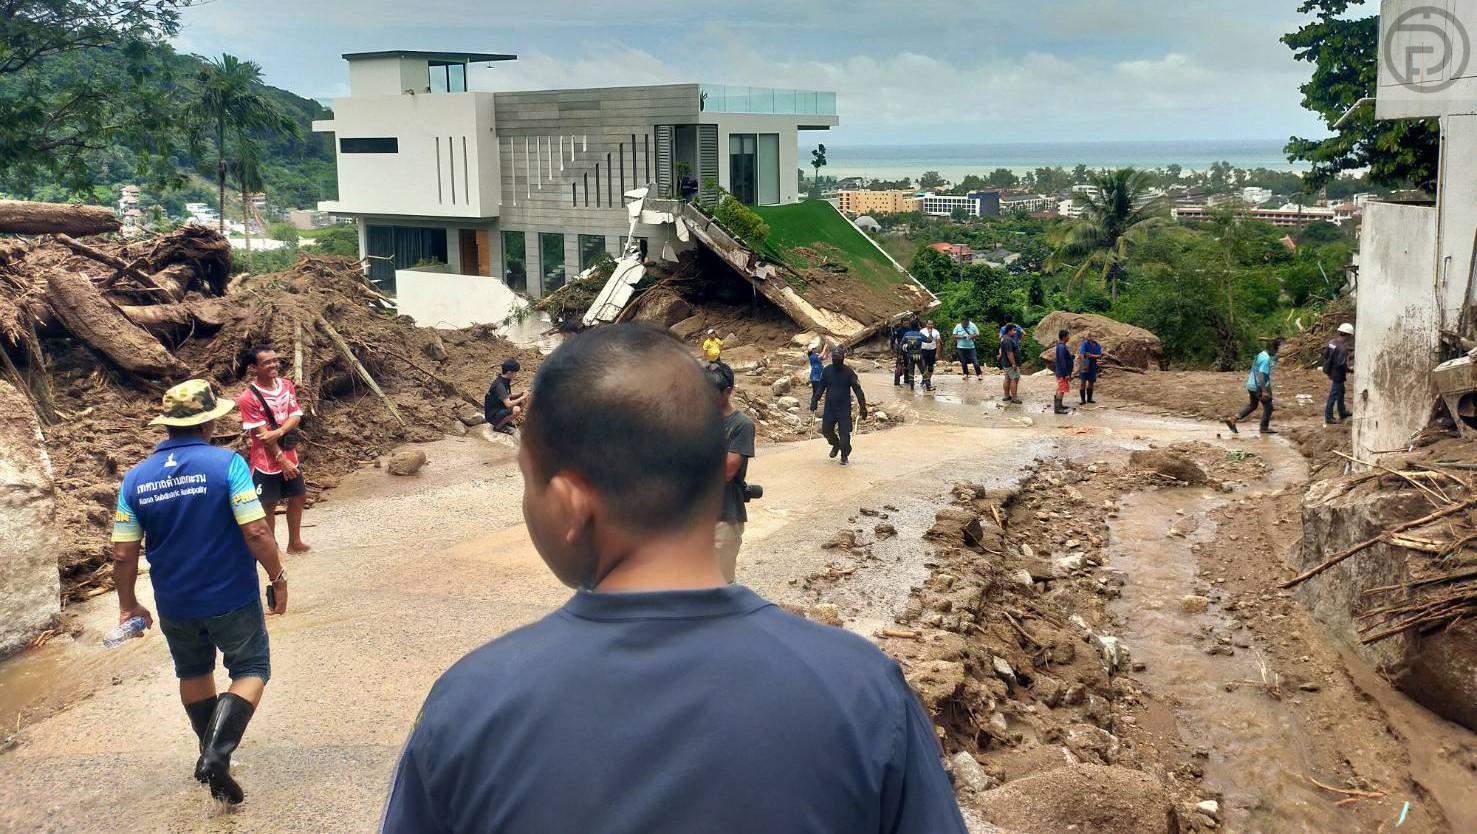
x: 25, y: 218
x: 207, y: 314
x: 99, y: 324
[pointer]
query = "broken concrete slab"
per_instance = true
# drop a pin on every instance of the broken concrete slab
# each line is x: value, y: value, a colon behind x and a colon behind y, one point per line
x: 30, y: 585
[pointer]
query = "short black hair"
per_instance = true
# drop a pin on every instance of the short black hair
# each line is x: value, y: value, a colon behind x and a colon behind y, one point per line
x: 720, y: 374
x: 1062, y: 334
x: 627, y: 408
x: 249, y: 355
x: 1274, y: 345
x: 511, y: 366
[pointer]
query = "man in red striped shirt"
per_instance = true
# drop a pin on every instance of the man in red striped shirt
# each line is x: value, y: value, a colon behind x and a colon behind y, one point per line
x: 270, y: 415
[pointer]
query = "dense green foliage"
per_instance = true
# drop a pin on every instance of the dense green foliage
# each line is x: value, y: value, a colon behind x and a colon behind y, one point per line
x: 740, y: 219
x: 1344, y: 53
x: 1114, y: 217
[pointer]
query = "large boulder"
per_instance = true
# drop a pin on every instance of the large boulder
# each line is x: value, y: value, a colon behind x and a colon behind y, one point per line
x: 30, y: 585
x: 406, y: 462
x: 1082, y: 797
x: 1129, y: 345
x: 662, y: 306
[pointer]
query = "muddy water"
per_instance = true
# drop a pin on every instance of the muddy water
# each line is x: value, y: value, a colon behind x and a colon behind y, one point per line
x: 1254, y: 744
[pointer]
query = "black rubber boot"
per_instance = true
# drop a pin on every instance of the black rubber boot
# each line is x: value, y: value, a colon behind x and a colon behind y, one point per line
x: 1057, y: 406
x: 1082, y: 395
x: 200, y: 713
x: 227, y: 725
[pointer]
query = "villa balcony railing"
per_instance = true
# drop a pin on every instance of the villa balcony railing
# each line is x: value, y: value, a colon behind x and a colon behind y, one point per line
x: 725, y: 98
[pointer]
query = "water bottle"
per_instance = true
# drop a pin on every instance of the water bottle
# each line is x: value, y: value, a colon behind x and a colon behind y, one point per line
x: 122, y: 633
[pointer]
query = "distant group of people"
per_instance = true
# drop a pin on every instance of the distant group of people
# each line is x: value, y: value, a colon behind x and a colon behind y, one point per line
x: 1336, y: 362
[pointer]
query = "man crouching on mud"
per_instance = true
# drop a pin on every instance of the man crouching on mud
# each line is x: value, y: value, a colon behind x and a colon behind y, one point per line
x: 659, y: 698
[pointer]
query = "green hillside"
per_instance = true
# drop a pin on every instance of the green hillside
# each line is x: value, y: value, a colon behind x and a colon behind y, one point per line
x: 800, y: 229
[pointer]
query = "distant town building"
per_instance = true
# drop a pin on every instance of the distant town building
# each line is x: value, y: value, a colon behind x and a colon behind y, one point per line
x: 530, y: 186
x: 306, y: 219
x: 975, y: 204
x: 1017, y: 201
x: 1088, y: 189
x: 1070, y: 208
x: 128, y: 210
x: 1254, y: 196
x: 867, y: 223
x: 1290, y: 216
x: 996, y: 259
x: 958, y: 252
x: 856, y: 202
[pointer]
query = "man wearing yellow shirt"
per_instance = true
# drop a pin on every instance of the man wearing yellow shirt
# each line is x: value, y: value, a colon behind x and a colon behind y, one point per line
x: 712, y: 346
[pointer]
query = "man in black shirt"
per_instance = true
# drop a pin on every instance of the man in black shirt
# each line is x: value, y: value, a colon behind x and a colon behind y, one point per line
x: 738, y: 434
x: 499, y: 406
x: 837, y: 384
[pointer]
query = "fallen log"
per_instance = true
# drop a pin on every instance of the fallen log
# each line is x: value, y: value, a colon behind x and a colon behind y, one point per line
x: 343, y: 349
x: 19, y: 217
x: 118, y: 264
x: 207, y: 313
x: 97, y: 323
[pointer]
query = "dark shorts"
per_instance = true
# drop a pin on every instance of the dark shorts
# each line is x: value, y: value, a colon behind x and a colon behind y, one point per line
x: 271, y: 489
x: 498, y: 415
x: 240, y: 636
x: 1089, y: 376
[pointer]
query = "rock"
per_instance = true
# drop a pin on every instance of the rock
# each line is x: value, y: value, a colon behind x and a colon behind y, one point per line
x: 434, y: 349
x: 1027, y: 551
x: 843, y: 540
x: 826, y: 613
x: 787, y: 403
x: 1193, y: 604
x: 662, y: 306
x: 1082, y: 798
x: 470, y: 416
x: 880, y: 415
x: 457, y: 429
x: 1091, y: 744
x: 1048, y: 690
x: 1025, y: 579
x: 885, y: 530
x: 952, y: 523
x: 1064, y: 566
x: 969, y: 774
x: 688, y: 327
x: 935, y: 681
x: 1210, y: 808
x: 498, y: 438
x: 1075, y: 694
x: 1003, y: 671
x: 999, y: 725
x: 1169, y: 464
x: 1114, y: 654
x: 805, y: 340
x: 30, y: 585
x: 781, y: 386
x: 406, y: 462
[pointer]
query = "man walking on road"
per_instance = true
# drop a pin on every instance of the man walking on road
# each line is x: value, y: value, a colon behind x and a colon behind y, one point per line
x: 270, y: 415
x: 1010, y: 363
x: 1259, y: 389
x: 929, y: 351
x: 964, y: 335
x: 913, y: 351
x: 1063, y: 371
x: 1336, y: 366
x: 738, y: 437
x: 195, y: 507
x: 659, y: 698
x: 837, y: 385
x: 1089, y: 354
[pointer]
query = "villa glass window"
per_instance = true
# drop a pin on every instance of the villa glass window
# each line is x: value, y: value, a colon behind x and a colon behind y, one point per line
x: 754, y: 167
x: 551, y: 260
x: 402, y: 247
x: 448, y: 77
x: 592, y: 247
x: 515, y: 261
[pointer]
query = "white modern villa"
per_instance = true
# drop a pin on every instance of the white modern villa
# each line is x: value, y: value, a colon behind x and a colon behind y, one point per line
x: 527, y: 187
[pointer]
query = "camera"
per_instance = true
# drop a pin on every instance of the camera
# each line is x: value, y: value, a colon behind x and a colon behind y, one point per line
x: 753, y: 492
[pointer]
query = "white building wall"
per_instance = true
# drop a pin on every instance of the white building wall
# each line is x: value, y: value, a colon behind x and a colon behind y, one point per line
x: 440, y: 299
x: 791, y: 154
x: 446, y: 165
x: 1456, y: 203
x: 1398, y: 327
x: 385, y: 77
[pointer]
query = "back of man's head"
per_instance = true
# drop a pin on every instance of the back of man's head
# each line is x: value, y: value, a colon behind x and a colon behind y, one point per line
x: 720, y: 376
x: 626, y: 409
x: 511, y: 366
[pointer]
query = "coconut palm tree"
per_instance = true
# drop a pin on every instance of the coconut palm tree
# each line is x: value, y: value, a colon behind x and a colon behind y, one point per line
x: 234, y: 104
x: 1114, y: 216
x: 246, y: 167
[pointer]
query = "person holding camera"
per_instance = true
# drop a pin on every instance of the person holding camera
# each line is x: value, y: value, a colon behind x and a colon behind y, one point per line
x: 270, y: 415
x: 738, y: 437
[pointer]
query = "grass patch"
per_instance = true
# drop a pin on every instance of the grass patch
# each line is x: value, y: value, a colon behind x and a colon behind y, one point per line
x: 816, y: 225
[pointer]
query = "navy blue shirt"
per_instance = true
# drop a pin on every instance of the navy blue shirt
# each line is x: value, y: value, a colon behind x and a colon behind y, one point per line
x: 707, y: 711
x: 187, y: 502
x: 1063, y: 359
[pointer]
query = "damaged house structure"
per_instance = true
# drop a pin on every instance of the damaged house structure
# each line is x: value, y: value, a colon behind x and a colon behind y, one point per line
x: 465, y: 201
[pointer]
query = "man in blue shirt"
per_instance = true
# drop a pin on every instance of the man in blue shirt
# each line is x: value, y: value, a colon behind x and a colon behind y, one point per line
x: 659, y: 698
x: 1259, y: 389
x: 1089, y: 355
x: 964, y: 335
x: 195, y: 508
x: 1062, y: 368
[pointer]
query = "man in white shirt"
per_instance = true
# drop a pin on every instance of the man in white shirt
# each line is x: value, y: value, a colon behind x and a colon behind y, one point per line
x: 931, y: 341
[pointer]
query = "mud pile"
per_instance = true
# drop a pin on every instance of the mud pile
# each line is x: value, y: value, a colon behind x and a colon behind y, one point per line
x: 334, y: 334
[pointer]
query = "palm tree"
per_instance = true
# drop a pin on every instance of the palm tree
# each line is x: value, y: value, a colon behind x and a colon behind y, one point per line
x: 1114, y: 216
x: 246, y: 167
x: 233, y: 105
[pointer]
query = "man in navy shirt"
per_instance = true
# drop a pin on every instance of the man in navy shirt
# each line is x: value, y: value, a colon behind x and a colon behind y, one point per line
x: 1063, y: 370
x: 195, y: 507
x: 659, y: 698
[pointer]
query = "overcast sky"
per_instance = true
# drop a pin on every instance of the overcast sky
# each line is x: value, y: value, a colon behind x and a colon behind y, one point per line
x: 905, y: 71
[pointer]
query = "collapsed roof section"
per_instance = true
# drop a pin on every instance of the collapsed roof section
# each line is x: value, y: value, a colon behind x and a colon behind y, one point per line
x: 818, y: 268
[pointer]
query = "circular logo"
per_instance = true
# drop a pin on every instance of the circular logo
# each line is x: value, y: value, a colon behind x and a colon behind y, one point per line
x: 1433, y: 42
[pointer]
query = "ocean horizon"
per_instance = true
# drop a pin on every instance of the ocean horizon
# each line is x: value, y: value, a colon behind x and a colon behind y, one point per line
x: 956, y: 161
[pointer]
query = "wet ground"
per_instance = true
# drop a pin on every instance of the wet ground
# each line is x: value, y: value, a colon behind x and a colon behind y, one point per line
x: 409, y: 574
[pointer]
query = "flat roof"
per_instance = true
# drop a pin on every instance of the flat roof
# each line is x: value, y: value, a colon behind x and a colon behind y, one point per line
x: 469, y: 57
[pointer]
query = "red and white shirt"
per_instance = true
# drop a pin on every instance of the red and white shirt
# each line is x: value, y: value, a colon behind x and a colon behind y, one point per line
x: 283, y: 400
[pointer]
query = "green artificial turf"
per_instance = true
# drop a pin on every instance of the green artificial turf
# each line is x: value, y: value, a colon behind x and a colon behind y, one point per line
x: 815, y: 222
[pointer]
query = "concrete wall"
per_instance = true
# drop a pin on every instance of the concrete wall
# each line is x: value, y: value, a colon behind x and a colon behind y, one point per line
x: 549, y: 190
x: 389, y: 76
x: 30, y: 587
x: 1398, y: 326
x: 446, y: 166
x: 443, y: 299
x: 1456, y: 204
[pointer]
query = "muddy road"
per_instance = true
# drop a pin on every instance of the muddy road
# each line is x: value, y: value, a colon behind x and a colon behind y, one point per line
x: 409, y: 574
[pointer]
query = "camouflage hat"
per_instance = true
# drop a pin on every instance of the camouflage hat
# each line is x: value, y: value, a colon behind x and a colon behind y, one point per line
x: 191, y: 403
